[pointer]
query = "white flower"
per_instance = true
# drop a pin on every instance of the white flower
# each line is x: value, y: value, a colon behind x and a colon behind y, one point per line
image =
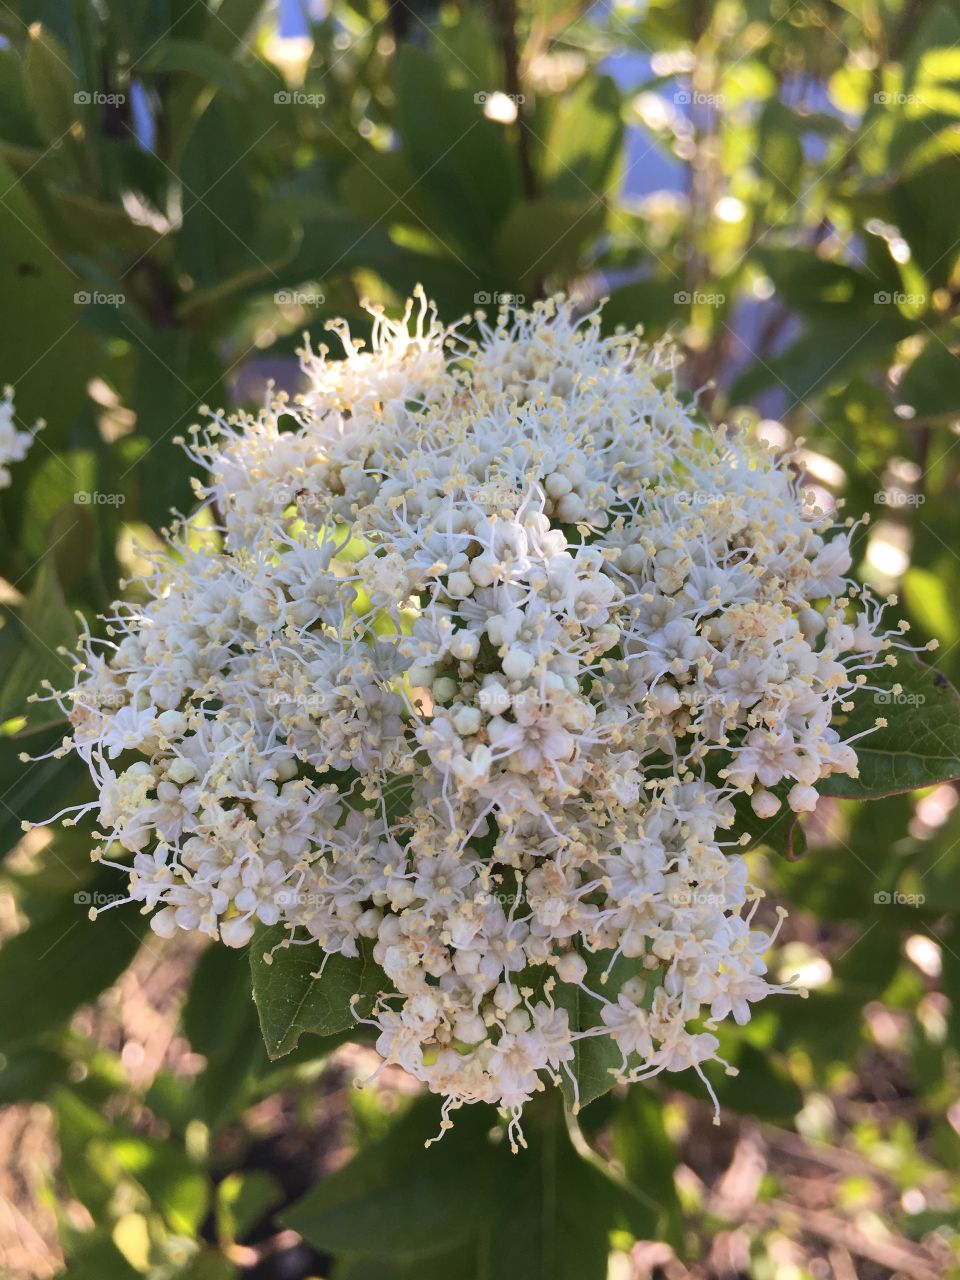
x: 496, y: 634
x: 14, y: 444
x: 127, y: 729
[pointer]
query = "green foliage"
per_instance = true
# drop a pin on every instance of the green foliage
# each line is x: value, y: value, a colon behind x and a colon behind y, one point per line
x: 468, y: 1208
x: 63, y: 959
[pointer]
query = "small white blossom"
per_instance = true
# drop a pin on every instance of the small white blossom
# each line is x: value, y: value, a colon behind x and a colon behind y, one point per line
x: 14, y: 444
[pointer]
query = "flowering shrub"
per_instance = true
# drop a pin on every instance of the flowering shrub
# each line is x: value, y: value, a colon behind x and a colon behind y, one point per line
x: 496, y: 643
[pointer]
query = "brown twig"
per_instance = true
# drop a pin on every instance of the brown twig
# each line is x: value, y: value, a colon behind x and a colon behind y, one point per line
x: 505, y: 15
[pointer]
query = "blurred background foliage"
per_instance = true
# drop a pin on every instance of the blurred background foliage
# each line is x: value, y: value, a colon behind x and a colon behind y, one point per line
x: 184, y: 187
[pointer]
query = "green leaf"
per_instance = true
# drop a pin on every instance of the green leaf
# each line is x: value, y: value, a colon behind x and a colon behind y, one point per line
x: 648, y: 1158
x: 780, y: 150
x: 920, y: 743
x: 395, y: 1199
x: 17, y: 121
x: 462, y: 163
x: 472, y: 42
x: 823, y: 357
x: 53, y: 490
x: 242, y: 1199
x: 50, y: 84
x: 215, y: 1015
x: 951, y: 982
x: 45, y: 623
x: 932, y: 383
x: 62, y: 960
x: 832, y: 884
x: 559, y: 1204
x: 782, y: 833
x: 224, y: 233
x: 930, y: 600
x: 29, y: 1074
x: 232, y: 23
x: 291, y: 1000
x: 648, y: 302
x: 198, y: 59
x: 923, y: 205
x: 208, y: 1264
x: 220, y: 1021
x: 101, y: 1156
x: 95, y: 1256
x: 762, y: 1086
x: 595, y: 1057
x: 810, y: 284
x: 176, y: 373
x: 583, y: 147
x: 30, y: 792
x: 49, y: 359
x: 467, y: 1208
x: 541, y: 237
x: 828, y: 1027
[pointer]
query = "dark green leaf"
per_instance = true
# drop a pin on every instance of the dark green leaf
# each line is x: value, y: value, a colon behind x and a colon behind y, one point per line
x: 45, y: 623
x: 449, y: 144
x: 290, y: 999
x: 920, y: 743
x: 197, y: 59
x: 27, y: 1075
x: 596, y: 1057
x: 931, y: 385
x: 824, y: 356
x: 466, y: 1208
x: 395, y: 1199
x: 648, y: 1158
x: 242, y: 1200
x: 47, y: 356
x: 232, y: 23
x: 546, y: 236
x: 220, y: 1021
x: 62, y: 960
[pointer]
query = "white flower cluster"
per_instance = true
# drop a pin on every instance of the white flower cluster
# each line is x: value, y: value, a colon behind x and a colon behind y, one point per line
x: 490, y: 638
x: 14, y: 444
